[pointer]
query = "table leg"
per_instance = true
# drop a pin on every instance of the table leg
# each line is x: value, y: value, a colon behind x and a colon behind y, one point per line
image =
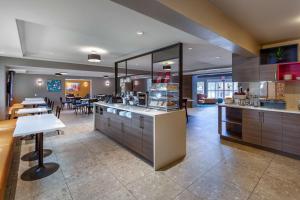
x: 41, y: 170
x: 31, y: 156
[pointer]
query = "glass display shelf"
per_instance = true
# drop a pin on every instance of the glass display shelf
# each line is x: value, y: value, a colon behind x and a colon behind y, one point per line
x: 164, y: 96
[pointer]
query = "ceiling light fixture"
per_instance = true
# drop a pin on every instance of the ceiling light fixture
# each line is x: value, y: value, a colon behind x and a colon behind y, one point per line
x: 93, y: 57
x: 167, y: 67
x: 63, y: 73
x: 190, y: 48
x: 140, y: 33
x: 218, y: 57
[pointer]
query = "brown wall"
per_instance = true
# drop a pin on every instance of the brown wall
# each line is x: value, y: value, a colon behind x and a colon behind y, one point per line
x: 25, y: 86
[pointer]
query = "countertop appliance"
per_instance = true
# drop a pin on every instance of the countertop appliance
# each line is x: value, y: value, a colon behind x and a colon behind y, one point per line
x: 142, y: 99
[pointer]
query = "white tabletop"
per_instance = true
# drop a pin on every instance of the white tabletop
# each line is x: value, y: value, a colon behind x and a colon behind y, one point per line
x: 46, y: 123
x: 35, y: 102
x: 31, y: 111
x: 34, y: 99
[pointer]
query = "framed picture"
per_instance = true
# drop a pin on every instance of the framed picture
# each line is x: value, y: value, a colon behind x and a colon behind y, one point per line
x: 54, y: 85
x: 72, y: 87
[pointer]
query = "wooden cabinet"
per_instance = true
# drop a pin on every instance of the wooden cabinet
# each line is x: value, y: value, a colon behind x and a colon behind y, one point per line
x: 245, y: 69
x: 271, y: 130
x: 251, y: 126
x: 135, y: 133
x: 268, y: 72
x: 147, y: 137
x: 133, y: 136
x: 291, y: 133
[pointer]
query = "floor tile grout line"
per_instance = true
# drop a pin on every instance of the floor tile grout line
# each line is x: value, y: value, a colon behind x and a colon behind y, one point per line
x: 252, y: 192
x: 64, y: 178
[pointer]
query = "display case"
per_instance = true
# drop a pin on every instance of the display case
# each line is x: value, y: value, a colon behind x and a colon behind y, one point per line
x: 164, y: 96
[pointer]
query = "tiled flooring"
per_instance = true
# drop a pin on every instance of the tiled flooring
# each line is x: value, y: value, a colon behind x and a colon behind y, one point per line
x: 94, y: 167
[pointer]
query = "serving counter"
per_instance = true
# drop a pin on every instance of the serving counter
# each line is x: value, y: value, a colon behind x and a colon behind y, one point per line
x: 272, y: 129
x: 157, y: 136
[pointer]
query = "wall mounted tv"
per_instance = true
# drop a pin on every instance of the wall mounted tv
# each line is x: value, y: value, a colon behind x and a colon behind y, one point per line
x: 282, y: 54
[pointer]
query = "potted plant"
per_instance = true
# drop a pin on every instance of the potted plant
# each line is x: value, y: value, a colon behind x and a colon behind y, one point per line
x: 279, y: 55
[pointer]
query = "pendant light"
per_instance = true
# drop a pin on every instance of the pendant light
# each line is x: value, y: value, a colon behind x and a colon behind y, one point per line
x: 94, y: 57
x: 167, y: 67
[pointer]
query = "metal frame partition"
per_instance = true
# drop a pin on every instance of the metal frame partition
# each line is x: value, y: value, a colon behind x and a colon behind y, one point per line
x: 179, y: 56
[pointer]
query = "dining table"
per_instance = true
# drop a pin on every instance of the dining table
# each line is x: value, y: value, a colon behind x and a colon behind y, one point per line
x: 25, y: 111
x: 33, y: 102
x: 34, y: 99
x: 38, y: 125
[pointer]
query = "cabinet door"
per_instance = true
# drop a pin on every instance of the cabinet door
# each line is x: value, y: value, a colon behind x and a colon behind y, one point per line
x: 117, y: 128
x: 291, y: 133
x: 251, y: 126
x: 268, y: 72
x: 133, y: 136
x: 147, y: 138
x: 271, y: 131
x: 245, y: 69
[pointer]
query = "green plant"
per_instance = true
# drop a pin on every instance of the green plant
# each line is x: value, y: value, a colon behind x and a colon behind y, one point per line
x: 279, y: 54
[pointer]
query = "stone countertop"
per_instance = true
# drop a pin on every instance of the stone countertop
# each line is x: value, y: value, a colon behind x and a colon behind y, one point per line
x: 134, y: 109
x: 260, y: 108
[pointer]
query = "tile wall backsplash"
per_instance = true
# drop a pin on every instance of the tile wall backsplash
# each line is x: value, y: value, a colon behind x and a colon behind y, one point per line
x: 288, y: 91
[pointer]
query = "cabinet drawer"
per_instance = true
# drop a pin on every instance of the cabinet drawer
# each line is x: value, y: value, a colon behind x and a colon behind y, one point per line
x: 291, y: 134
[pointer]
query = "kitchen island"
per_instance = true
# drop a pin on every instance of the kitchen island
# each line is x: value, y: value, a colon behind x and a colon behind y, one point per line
x: 158, y: 136
x: 272, y: 129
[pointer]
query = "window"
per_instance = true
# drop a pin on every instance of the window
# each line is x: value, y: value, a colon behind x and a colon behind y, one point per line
x: 200, y: 88
x: 221, y: 89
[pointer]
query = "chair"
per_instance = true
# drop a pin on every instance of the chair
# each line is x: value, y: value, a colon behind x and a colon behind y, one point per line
x: 57, y: 114
x: 184, y: 104
x: 62, y: 103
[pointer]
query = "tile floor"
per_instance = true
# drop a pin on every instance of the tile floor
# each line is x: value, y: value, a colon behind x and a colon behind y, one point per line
x: 94, y: 167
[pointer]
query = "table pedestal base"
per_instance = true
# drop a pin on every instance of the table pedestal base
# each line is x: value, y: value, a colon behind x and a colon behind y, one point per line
x: 34, y: 155
x: 39, y: 172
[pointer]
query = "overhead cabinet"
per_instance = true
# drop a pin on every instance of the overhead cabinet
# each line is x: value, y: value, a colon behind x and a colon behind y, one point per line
x: 245, y: 69
x: 268, y: 72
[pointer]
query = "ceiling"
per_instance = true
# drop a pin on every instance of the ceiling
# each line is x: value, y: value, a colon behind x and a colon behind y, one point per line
x: 267, y: 20
x: 68, y: 30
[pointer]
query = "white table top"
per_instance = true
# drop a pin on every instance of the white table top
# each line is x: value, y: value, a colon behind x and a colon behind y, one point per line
x: 31, y: 111
x: 46, y: 123
x: 35, y: 102
x: 34, y: 99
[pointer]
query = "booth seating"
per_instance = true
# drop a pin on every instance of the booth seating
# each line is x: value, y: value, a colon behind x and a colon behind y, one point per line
x: 202, y: 99
x: 6, y: 152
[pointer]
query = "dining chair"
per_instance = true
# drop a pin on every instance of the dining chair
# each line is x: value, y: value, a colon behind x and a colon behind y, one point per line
x: 57, y: 114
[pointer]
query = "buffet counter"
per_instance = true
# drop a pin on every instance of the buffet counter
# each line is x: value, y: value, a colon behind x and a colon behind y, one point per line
x: 158, y: 136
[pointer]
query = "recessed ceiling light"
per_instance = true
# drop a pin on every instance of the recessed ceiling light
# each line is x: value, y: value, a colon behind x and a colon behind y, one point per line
x: 96, y: 50
x: 218, y: 57
x: 140, y: 33
x: 168, y: 62
x: 190, y: 48
x: 63, y: 73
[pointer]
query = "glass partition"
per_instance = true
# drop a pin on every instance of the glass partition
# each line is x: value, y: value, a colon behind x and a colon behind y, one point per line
x: 156, y: 75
